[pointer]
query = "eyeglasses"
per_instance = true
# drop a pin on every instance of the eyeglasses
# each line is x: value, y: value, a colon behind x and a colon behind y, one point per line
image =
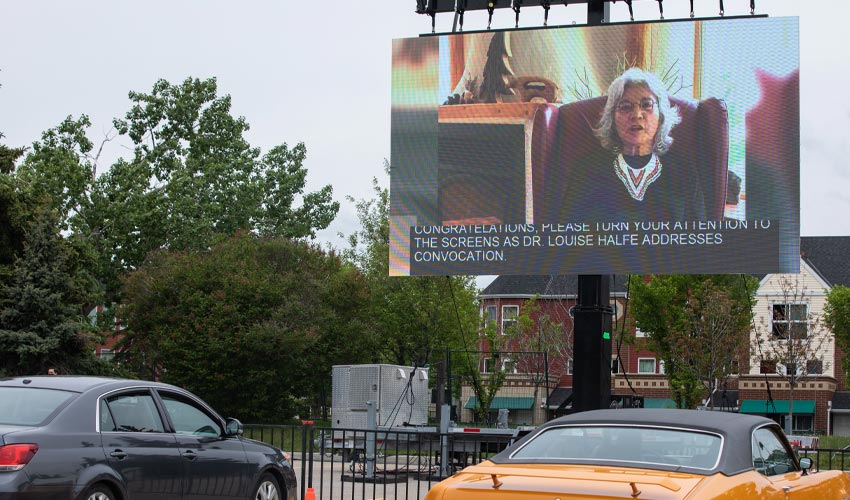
x: 645, y: 104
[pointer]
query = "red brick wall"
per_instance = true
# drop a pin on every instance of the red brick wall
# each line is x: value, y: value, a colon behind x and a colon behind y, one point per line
x: 820, y: 390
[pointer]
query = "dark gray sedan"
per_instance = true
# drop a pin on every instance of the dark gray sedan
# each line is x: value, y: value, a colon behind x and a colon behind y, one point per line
x: 95, y: 438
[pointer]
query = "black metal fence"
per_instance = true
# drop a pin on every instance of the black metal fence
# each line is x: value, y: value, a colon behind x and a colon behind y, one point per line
x: 358, y: 464
x: 339, y: 464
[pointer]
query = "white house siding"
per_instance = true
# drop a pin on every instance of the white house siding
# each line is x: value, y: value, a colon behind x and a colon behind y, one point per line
x: 805, y: 287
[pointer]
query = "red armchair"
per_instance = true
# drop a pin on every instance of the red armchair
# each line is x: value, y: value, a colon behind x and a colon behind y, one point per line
x: 700, y: 143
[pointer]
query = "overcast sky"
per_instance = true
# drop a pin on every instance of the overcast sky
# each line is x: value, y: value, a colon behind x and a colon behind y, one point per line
x: 318, y: 72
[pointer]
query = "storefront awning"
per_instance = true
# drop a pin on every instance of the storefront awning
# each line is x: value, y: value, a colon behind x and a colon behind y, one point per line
x: 780, y: 406
x: 560, y: 398
x: 502, y: 402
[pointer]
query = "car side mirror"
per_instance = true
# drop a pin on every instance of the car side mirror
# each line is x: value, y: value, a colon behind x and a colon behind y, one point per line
x: 233, y: 427
x: 805, y: 464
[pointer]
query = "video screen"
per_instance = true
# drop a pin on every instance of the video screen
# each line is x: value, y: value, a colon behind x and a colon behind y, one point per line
x: 660, y: 147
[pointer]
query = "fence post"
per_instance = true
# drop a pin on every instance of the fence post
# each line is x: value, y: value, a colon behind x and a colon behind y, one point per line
x: 444, y: 440
x: 312, y: 450
x: 371, y: 435
x: 303, y: 461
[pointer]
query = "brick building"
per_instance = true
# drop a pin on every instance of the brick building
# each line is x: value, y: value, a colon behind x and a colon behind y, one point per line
x: 784, y: 304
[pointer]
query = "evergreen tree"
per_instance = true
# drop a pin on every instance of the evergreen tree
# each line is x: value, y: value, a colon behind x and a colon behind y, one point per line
x: 497, y: 70
x: 41, y: 324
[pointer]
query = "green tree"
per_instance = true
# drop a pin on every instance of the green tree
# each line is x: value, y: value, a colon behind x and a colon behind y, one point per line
x: 46, y: 279
x: 836, y: 317
x: 192, y: 180
x: 250, y: 325
x: 42, y: 324
x: 415, y: 316
x: 60, y: 171
x: 685, y: 317
x: 537, y: 334
x: 14, y: 212
x: 485, y: 384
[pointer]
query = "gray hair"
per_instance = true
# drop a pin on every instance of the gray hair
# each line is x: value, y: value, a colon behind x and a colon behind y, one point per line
x: 669, y: 114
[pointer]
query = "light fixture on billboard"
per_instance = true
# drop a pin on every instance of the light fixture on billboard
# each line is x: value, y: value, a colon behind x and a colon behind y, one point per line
x: 428, y: 7
x: 460, y: 8
x: 546, y: 4
x: 661, y: 8
x: 722, y: 10
x: 491, y: 6
x: 516, y: 5
x: 632, y: 12
x: 752, y: 7
x: 692, y: 9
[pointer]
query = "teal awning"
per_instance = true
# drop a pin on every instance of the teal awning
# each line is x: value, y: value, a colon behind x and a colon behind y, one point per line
x: 502, y: 402
x: 764, y: 407
x: 665, y: 403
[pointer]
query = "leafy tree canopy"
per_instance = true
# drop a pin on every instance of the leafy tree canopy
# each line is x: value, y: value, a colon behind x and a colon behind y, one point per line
x: 836, y: 317
x: 683, y: 315
x: 41, y: 321
x: 248, y: 325
x: 193, y: 178
x: 417, y: 317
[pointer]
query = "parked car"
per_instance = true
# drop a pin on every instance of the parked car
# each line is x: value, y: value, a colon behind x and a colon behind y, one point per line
x: 96, y: 438
x: 651, y: 454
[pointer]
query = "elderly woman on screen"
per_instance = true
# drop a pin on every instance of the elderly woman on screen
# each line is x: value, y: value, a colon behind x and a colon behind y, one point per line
x: 629, y: 177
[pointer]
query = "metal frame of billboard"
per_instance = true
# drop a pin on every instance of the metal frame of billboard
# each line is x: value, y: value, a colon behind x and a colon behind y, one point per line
x: 597, y: 10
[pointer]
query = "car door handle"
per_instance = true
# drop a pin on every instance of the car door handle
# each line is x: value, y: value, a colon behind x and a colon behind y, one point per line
x: 120, y: 455
x: 189, y: 455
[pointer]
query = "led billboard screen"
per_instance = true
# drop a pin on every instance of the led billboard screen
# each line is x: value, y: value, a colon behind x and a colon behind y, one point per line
x: 666, y: 147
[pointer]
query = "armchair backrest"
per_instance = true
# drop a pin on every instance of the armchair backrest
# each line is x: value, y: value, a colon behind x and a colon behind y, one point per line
x: 700, y: 143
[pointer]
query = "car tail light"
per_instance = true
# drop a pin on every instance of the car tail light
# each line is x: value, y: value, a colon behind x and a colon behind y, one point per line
x: 16, y: 456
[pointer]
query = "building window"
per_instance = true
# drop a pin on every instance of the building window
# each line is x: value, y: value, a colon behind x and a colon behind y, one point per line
x: 639, y: 333
x: 491, y: 315
x: 790, y: 369
x: 799, y: 424
x: 790, y: 321
x: 488, y: 365
x: 646, y: 365
x: 569, y: 366
x: 814, y: 367
x: 661, y: 367
x: 767, y: 367
x: 509, y: 366
x: 509, y: 319
x: 615, y: 365
x: 106, y: 354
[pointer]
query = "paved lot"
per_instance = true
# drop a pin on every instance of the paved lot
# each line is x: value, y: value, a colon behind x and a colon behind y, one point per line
x: 332, y: 480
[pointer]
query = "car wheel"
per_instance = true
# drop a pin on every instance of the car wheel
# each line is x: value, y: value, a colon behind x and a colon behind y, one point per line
x: 266, y: 490
x: 98, y: 492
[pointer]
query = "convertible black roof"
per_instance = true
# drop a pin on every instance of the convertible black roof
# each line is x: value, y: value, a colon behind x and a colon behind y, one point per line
x: 735, y: 428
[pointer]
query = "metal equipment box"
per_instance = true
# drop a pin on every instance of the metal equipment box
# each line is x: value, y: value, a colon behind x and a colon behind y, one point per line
x: 400, y: 394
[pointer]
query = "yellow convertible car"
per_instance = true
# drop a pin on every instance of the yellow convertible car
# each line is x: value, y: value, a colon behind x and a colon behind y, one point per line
x: 647, y: 454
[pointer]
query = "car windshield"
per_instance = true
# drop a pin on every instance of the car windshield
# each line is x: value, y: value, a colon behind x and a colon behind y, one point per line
x: 642, y: 445
x: 29, y: 406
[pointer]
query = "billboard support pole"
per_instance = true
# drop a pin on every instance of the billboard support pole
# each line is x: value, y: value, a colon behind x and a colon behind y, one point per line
x: 593, y: 313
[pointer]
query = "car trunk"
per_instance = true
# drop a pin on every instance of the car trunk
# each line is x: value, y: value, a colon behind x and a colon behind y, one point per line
x: 569, y: 482
x: 9, y: 429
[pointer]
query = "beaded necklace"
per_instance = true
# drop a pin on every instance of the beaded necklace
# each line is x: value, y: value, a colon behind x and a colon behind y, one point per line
x: 637, y: 180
